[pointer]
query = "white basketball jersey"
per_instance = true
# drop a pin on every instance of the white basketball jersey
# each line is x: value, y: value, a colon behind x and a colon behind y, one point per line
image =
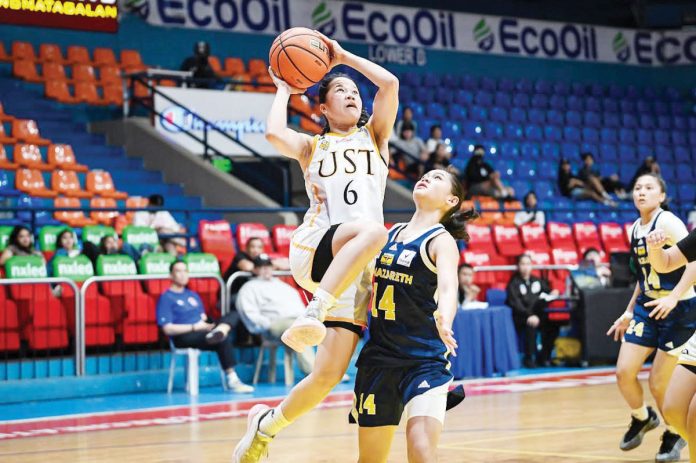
x: 345, y: 179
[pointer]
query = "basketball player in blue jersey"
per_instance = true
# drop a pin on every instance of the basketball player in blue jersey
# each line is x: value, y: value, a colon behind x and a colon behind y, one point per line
x: 403, y: 366
x: 643, y: 333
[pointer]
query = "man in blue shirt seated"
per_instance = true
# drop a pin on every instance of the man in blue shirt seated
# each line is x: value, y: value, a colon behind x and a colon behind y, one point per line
x: 181, y: 316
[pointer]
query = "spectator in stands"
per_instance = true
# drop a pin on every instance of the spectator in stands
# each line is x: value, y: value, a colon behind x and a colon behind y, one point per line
x: 109, y: 245
x: 409, y: 150
x: 602, y: 185
x: 200, y: 67
x: 573, y: 187
x: 268, y: 306
x: 592, y: 262
x: 649, y: 165
x: 244, y: 262
x: 528, y: 297
x: 436, y: 139
x: 19, y: 243
x: 482, y: 179
x: 440, y: 159
x: 66, y: 245
x: 181, y: 316
x: 164, y: 224
x: 406, y: 117
x: 530, y: 214
x: 468, y: 291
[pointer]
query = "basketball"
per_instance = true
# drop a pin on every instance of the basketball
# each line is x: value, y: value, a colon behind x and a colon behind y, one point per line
x: 300, y: 57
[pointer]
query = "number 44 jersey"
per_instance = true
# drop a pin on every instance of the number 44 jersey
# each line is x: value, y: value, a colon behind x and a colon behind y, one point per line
x: 345, y: 179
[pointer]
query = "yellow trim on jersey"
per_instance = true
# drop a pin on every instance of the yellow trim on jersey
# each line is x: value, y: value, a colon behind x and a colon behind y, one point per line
x: 316, y: 214
x: 686, y: 362
x: 302, y: 246
x: 424, y: 253
x: 348, y: 320
x: 315, y: 139
x: 334, y: 134
x: 374, y: 141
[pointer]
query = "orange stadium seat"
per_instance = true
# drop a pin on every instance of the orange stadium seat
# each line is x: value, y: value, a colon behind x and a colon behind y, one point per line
x: 247, y: 230
x: 216, y: 238
x: 5, y: 163
x: 104, y: 57
x: 560, y: 235
x: 281, y: 237
x: 32, y: 182
x: 4, y: 117
x: 99, y: 182
x: 86, y: 92
x: 53, y: 71
x: 215, y: 65
x: 26, y: 70
x: 507, y: 239
x: 62, y: 157
x: 613, y: 237
x: 534, y: 237
x: 103, y: 217
x: 131, y: 59
x: 494, y: 215
x: 23, y: 50
x: 133, y: 202
x: 510, y: 208
x: 481, y: 238
x: 50, y: 53
x: 257, y: 67
x: 27, y: 130
x: 265, y: 84
x: 113, y: 94
x: 78, y: 54
x: 72, y: 218
x: 4, y: 138
x: 233, y: 67
x: 29, y: 156
x: 58, y: 90
x: 110, y: 75
x: 586, y: 236
x: 4, y: 56
x: 66, y: 183
x: 83, y: 73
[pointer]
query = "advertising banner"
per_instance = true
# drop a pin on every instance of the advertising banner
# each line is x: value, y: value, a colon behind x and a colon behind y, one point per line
x: 242, y: 115
x: 413, y: 29
x: 88, y: 15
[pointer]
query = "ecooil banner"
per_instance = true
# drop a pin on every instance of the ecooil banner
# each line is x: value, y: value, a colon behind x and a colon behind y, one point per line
x: 242, y: 115
x: 375, y: 24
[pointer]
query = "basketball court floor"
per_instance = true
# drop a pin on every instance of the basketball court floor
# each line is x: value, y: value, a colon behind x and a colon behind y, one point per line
x: 569, y: 416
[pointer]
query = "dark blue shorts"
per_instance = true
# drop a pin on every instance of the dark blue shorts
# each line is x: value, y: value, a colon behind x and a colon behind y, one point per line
x: 668, y: 334
x: 381, y: 394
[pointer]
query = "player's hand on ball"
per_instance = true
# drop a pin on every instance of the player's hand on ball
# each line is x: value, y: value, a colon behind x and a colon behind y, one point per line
x: 280, y: 83
x: 447, y: 336
x: 618, y: 329
x: 656, y: 239
x: 663, y: 306
x: 336, y: 52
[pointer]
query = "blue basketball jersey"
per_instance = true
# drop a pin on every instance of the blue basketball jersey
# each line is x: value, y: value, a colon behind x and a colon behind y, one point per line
x: 402, y: 324
x: 651, y: 282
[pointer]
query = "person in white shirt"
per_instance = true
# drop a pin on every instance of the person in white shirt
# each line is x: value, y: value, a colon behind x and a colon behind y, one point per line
x: 530, y: 214
x: 163, y: 222
x: 268, y: 306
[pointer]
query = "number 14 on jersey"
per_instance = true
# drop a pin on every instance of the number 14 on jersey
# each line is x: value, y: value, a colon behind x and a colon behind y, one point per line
x: 386, y: 303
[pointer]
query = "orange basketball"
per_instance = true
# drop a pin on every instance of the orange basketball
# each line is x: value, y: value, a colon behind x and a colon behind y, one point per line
x: 300, y: 57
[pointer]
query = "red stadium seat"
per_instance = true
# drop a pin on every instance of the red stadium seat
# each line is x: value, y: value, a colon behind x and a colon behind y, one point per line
x: 507, y: 239
x: 562, y: 257
x: 628, y: 229
x: 481, y: 239
x: 41, y: 316
x: 613, y: 237
x: 281, y: 238
x: 586, y: 236
x: 533, y: 237
x: 99, y: 326
x: 9, y: 323
x: 23, y: 50
x: 560, y: 235
x: 78, y: 54
x: 478, y: 259
x: 539, y: 258
x: 216, y: 238
x: 247, y: 230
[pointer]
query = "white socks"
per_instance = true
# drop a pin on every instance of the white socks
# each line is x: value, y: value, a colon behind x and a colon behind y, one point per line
x: 273, y: 422
x: 641, y: 413
x: 326, y: 302
x: 232, y: 377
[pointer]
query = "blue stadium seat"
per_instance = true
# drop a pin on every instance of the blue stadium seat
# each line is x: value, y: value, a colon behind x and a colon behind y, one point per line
x: 451, y: 130
x: 509, y: 150
x: 425, y: 95
x: 673, y: 94
x: 507, y: 168
x: 530, y: 150
x: 589, y: 148
x: 608, y: 152
x: 629, y: 121
x: 543, y: 86
x: 677, y: 108
x: 561, y: 88
x: 435, y: 110
x: 524, y: 86
x: 526, y: 169
x: 575, y: 103
x: 460, y: 161
x: 647, y: 121
x: 457, y: 112
x: 692, y: 122
x: 616, y: 91
x: 432, y: 79
x: 518, y: 115
x: 7, y: 181
x: 521, y: 100
x: 592, y: 119
x: 412, y: 78
x: 469, y: 82
x: 650, y: 93
x: 578, y: 89
x: 570, y: 151
x: 488, y: 83
x: 42, y: 217
x: 550, y: 151
x: 592, y: 104
x: 539, y: 100
x: 502, y: 99
x: 682, y: 154
x: 464, y: 97
x: 483, y: 98
x: 661, y: 108
x: 627, y: 136
x: 443, y: 95
x: 627, y: 106
x: 643, y: 107
x: 677, y: 122
x: 499, y: 114
x: 611, y: 120
x: 418, y: 110
x: 554, y: 116
x: 551, y: 133
x: 645, y: 137
x: 515, y: 131
x: 608, y: 168
x: 450, y: 80
x: 668, y: 172
x: 685, y: 174
x: 571, y: 134
x: 473, y: 130
x: 573, y: 118
x: 627, y: 153
x: 590, y: 135
x: 544, y: 189
x: 644, y: 151
x: 557, y: 102
x: 597, y: 90
x: 632, y: 92
x: 665, y: 153
x: 627, y: 170
x: 506, y: 85
x: 678, y: 138
x: 686, y: 193
x: 478, y: 113
x: 493, y: 130
x: 521, y: 187
x: 692, y: 137
x: 610, y: 105
x: 537, y: 116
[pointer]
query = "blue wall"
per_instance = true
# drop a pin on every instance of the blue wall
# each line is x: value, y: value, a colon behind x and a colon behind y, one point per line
x: 169, y: 46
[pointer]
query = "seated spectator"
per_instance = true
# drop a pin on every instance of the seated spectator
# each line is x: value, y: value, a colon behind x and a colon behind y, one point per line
x: 468, y: 291
x: 482, y: 179
x: 602, y: 185
x: 109, y: 245
x: 440, y: 159
x: 591, y: 265
x: 436, y: 139
x: 573, y: 187
x: 406, y: 117
x: 203, y: 74
x: 528, y: 297
x: 409, y: 150
x: 530, y: 214
x: 19, y: 243
x: 268, y: 306
x: 181, y: 316
x: 164, y: 224
x: 244, y: 262
x: 649, y: 165
x: 66, y: 245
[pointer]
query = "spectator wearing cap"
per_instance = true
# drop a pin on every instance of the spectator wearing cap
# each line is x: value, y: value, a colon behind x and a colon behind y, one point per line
x: 181, y: 316
x: 268, y: 306
x: 482, y: 179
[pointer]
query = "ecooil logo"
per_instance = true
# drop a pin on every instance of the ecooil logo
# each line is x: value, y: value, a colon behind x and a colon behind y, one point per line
x: 483, y: 35
x: 621, y: 48
x: 176, y: 119
x: 322, y: 20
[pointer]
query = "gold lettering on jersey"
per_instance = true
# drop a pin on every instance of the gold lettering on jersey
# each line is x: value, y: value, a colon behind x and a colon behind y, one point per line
x: 350, y: 166
x: 640, y: 250
x: 386, y: 259
x: 391, y: 275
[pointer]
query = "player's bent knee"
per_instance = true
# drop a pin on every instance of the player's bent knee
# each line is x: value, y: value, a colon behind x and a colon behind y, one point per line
x: 421, y: 451
x: 624, y: 375
x: 375, y: 233
x: 326, y: 380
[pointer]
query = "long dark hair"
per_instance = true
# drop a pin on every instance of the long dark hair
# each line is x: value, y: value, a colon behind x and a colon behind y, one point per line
x: 14, y: 235
x: 663, y: 186
x: 455, y: 219
x: 324, y: 89
x: 59, y: 245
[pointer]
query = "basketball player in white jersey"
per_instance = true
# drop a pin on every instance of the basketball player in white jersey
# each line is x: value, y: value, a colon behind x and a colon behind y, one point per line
x: 331, y: 253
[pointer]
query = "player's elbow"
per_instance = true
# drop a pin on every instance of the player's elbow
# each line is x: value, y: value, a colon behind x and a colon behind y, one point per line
x: 391, y: 84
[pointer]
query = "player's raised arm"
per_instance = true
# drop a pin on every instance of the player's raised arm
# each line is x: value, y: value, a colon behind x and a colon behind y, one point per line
x: 446, y: 256
x: 287, y: 141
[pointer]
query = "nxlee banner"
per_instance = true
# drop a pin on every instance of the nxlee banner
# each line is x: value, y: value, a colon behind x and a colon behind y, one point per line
x: 90, y: 15
x: 375, y: 24
x: 241, y: 115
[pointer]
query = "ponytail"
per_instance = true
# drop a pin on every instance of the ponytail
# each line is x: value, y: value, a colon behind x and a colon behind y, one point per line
x: 455, y: 222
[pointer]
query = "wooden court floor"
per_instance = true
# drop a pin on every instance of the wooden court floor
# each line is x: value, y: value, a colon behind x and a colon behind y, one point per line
x: 578, y: 424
